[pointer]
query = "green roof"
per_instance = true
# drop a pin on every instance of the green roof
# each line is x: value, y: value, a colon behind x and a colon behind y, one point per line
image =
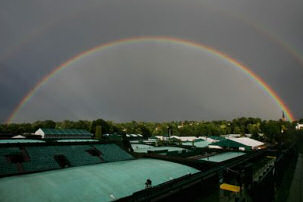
x: 77, y: 140
x: 11, y: 141
x: 190, y: 143
x: 48, y: 131
x: 216, y: 137
x: 101, y: 182
x: 142, y: 148
x: 229, y: 144
x: 41, y: 157
x: 199, y: 144
x: 223, y: 156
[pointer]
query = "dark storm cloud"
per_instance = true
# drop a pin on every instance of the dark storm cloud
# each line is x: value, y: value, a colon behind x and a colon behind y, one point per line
x: 69, y: 27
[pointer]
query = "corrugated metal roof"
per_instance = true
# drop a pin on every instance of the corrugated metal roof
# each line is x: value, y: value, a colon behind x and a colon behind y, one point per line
x: 229, y: 144
x: 247, y: 141
x: 142, y: 148
x: 48, y: 131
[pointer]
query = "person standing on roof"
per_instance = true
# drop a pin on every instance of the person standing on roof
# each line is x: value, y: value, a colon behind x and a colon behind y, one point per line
x: 148, y: 184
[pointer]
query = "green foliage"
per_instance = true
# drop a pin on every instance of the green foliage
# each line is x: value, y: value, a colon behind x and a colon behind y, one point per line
x: 98, y: 134
x: 145, y: 131
x: 271, y: 130
x: 43, y: 124
x: 274, y: 131
x: 73, y: 124
x: 100, y: 122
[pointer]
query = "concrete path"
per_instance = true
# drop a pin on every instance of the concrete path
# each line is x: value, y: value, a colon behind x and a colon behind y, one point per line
x: 296, y: 188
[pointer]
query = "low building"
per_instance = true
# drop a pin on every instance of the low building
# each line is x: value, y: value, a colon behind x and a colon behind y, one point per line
x: 212, y: 139
x: 86, y: 172
x: 299, y: 126
x: 164, y: 137
x: 164, y: 150
x: 186, y: 138
x: 198, y: 143
x: 134, y: 137
x: 237, y: 135
x: 222, y: 156
x: 113, y: 137
x: 46, y: 133
x: 229, y: 144
x: 249, y: 142
x: 18, y: 137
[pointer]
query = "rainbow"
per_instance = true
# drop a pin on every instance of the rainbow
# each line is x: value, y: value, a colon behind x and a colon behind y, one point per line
x: 132, y: 40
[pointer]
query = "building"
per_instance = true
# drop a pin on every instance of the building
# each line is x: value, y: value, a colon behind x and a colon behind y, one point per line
x: 18, y: 137
x: 229, y: 144
x: 46, y: 133
x: 186, y: 138
x: 85, y: 171
x: 249, y: 142
x: 213, y: 139
x: 299, y: 126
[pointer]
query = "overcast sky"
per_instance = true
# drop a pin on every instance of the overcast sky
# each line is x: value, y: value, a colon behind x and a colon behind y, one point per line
x: 150, y: 81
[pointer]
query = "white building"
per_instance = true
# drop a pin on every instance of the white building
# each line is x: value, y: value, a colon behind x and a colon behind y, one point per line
x: 299, y: 126
x: 19, y: 137
x: 254, y: 144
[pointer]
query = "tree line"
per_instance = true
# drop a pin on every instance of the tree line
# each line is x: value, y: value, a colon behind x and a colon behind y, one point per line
x: 271, y: 130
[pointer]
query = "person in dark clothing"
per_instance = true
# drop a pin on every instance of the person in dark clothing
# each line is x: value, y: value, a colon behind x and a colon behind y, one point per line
x: 148, y: 183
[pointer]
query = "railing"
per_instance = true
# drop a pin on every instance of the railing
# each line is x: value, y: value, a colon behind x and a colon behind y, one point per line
x: 261, y: 172
x: 168, y: 188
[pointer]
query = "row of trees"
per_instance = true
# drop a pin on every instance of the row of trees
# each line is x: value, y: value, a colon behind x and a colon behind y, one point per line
x: 255, y: 126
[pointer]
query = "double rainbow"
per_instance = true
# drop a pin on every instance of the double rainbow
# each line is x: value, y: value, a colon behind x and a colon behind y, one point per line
x: 188, y: 43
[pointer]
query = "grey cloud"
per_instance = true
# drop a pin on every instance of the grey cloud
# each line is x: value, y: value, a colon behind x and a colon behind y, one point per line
x: 72, y: 27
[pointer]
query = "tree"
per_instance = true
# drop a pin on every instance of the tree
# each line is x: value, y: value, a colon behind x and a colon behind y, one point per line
x: 253, y: 129
x: 145, y: 132
x: 98, y: 134
x: 43, y: 124
x: 237, y: 130
x: 100, y: 122
x: 272, y: 130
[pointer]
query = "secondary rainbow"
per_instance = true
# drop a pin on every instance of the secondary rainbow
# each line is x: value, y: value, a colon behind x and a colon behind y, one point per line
x: 189, y: 43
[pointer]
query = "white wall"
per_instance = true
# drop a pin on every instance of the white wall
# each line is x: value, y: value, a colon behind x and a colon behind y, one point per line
x: 40, y: 132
